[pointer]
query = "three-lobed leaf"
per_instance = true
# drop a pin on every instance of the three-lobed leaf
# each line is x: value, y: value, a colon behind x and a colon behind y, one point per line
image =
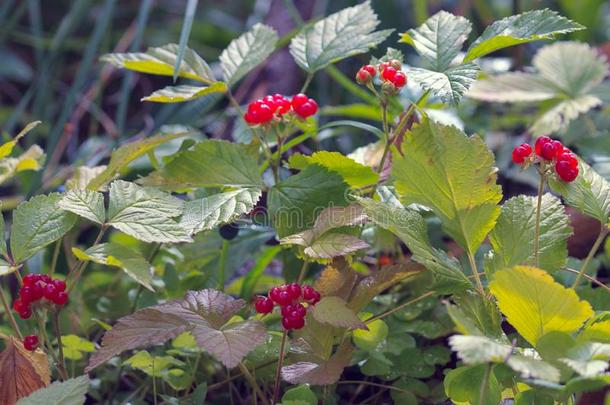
x: 246, y: 52
x: 535, y: 304
x: 85, y: 203
x: 453, y: 174
x: 37, y: 223
x: 348, y: 32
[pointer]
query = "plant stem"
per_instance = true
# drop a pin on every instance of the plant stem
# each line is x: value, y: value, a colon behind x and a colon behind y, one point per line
x: 538, y: 209
x: 307, y: 82
x: 82, y: 265
x: 278, y: 371
x: 401, y: 306
x: 603, y: 232
x: 591, y: 279
x: 372, y: 384
x: 55, y: 256
x: 47, y: 343
x: 302, y: 272
x: 62, y: 360
x: 9, y: 314
x: 252, y: 382
x: 475, y: 272
x: 484, y: 384
x: 222, y: 264
x: 236, y: 376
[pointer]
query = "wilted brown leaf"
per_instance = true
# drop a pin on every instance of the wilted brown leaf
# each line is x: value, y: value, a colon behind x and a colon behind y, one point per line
x: 337, y: 279
x: 21, y: 372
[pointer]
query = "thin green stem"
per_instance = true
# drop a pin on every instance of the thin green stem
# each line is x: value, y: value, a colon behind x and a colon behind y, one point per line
x: 475, y: 272
x: 603, y: 232
x: 55, y: 256
x: 588, y: 277
x: 278, y: 370
x: 302, y: 272
x: 222, y: 264
x: 307, y: 82
x: 252, y: 382
x: 538, y: 213
x: 45, y: 338
x: 9, y: 314
x: 82, y: 265
x: 484, y: 384
x: 62, y: 360
x: 400, y: 307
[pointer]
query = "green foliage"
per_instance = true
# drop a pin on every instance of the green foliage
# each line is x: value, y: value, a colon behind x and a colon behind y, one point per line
x: 348, y: 32
x: 334, y: 311
x: 69, y: 392
x: 354, y: 174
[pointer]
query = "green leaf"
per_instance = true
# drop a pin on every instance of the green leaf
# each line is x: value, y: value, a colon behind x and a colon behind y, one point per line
x: 589, y: 193
x: 161, y: 61
x: 480, y: 349
x: 154, y: 366
x: 209, y: 212
x: 439, y: 39
x: 535, y: 304
x: 453, y: 174
x: 74, y: 346
x: 124, y: 257
x: 464, y: 384
x: 302, y: 394
x: 410, y: 227
x: 513, y: 87
x: 295, y: 202
x: 69, y: 392
x: 315, y: 370
x: 370, y: 339
x: 6, y: 268
x: 85, y: 203
x: 518, y: 29
x: 513, y: 237
x: 206, y: 314
x: 127, y: 153
x: 562, y: 113
x: 145, y: 213
x: 255, y: 273
x: 31, y: 159
x: 37, y: 223
x: 348, y: 32
x: 475, y: 315
x: 210, y: 163
x: 354, y: 174
x: 334, y: 244
x: 334, y: 311
x: 588, y: 359
x: 179, y: 94
x: 82, y: 177
x: 248, y: 51
x: 450, y: 85
x: 3, y: 248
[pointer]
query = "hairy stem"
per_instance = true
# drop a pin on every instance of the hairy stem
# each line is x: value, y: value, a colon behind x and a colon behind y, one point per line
x: 538, y: 213
x: 603, y: 232
x: 253, y: 383
x: 278, y: 371
x: 9, y: 314
x: 400, y: 307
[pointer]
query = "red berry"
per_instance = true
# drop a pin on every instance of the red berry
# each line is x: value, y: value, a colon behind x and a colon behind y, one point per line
x: 294, y: 290
x: 286, y: 310
x: 263, y: 305
x: 61, y: 298
x: 370, y: 69
x: 274, y: 294
x: 249, y: 118
x: 286, y: 323
x: 19, y: 305
x: 38, y: 289
x: 384, y: 260
x: 382, y: 66
x: 306, y: 109
x: 557, y: 148
x: 568, y: 157
x: 308, y: 292
x: 30, y: 279
x: 566, y: 171
x: 50, y: 292
x: 45, y: 278
x: 25, y: 313
x: 363, y: 77
x: 299, y: 309
x: 282, y: 102
x: 30, y: 342
x: 539, y: 142
x: 27, y: 294
x: 60, y: 285
x: 284, y: 298
x: 388, y: 73
x: 299, y: 99
x: 296, y: 321
x: 400, y: 79
x: 521, y: 152
x: 315, y: 299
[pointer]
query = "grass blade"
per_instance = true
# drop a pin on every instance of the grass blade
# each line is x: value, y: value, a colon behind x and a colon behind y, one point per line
x: 189, y: 16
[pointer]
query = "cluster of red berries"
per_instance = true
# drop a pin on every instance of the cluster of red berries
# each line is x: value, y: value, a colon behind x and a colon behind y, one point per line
x: 30, y: 342
x: 290, y: 299
x: 391, y: 76
x: 37, y: 287
x: 264, y: 110
x: 547, y: 149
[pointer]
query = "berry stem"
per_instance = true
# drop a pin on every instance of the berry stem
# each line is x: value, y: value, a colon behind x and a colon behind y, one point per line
x: 475, y: 272
x: 307, y: 82
x: 399, y: 307
x: 278, y: 371
x: 62, y: 360
x: 47, y: 343
x: 252, y: 381
x: 538, y: 209
x: 302, y: 272
x: 222, y: 264
x: 55, y: 256
x: 603, y: 232
x: 9, y: 314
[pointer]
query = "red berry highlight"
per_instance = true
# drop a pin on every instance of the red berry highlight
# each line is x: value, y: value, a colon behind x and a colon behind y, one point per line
x: 400, y: 79
x: 30, y: 342
x: 566, y: 170
x: 388, y: 73
x: 263, y: 305
x: 521, y: 152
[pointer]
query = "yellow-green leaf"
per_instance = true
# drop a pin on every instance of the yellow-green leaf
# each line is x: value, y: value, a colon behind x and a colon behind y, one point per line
x: 453, y: 174
x: 535, y: 304
x: 179, y: 94
x: 354, y: 173
x: 7, y: 148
